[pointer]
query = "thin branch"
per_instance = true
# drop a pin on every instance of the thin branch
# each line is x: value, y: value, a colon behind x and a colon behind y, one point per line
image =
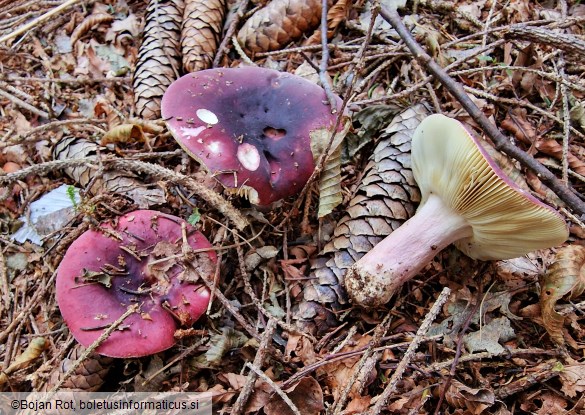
x: 325, y: 59
x: 248, y: 387
x: 114, y: 326
x: 221, y: 50
x: 405, y: 361
x: 162, y: 173
x: 25, y: 105
x: 500, y: 140
x: 38, y: 20
x: 276, y: 389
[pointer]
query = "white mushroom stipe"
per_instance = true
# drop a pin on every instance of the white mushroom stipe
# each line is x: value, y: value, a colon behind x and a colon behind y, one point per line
x: 207, y: 116
x: 249, y: 156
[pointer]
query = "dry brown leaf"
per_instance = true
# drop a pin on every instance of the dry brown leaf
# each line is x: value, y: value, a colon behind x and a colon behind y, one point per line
x: 573, y: 379
x: 122, y: 29
x: 358, y: 405
x: 555, y: 149
x: 200, y: 32
x: 335, y: 16
x: 551, y: 404
x: 159, y: 59
x: 125, y: 133
x: 31, y: 353
x: 565, y: 277
x: 279, y: 23
x: 89, y: 22
x: 306, y: 394
x: 339, y: 372
x: 476, y: 400
x: 302, y: 348
x: 517, y: 123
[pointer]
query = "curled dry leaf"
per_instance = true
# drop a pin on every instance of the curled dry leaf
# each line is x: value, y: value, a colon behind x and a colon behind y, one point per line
x: 384, y: 200
x: 125, y: 133
x: 565, y: 277
x: 121, y: 182
x: 31, y: 353
x: 279, y: 23
x: 330, y: 195
x: 521, y: 127
x: 200, y: 32
x: 89, y: 22
x: 475, y: 400
x: 159, y: 58
x: 335, y: 15
x: 88, y: 377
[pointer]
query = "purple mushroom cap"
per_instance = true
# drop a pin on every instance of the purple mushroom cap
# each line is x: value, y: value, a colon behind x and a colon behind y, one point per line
x: 251, y: 127
x: 104, y: 272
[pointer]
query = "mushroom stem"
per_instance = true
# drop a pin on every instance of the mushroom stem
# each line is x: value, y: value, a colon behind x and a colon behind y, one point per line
x: 374, y: 279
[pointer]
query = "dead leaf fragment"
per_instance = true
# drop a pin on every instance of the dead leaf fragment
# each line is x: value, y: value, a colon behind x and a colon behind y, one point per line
x: 475, y: 400
x: 565, y: 277
x: 488, y: 337
x: 32, y: 352
x: 125, y: 133
x: 573, y: 379
x: 89, y: 22
x: 307, y: 396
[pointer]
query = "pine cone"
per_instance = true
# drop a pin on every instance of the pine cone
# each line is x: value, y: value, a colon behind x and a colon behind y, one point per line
x: 159, y: 57
x: 200, y: 34
x: 279, y: 23
x: 88, y: 377
x: 384, y: 200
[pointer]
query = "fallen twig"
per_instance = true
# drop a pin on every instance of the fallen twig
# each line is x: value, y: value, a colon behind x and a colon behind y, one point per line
x: 39, y: 20
x: 562, y: 41
x: 325, y: 58
x: 276, y: 388
x: 501, y: 142
x: 211, y: 197
x: 405, y: 361
x: 248, y: 387
x: 111, y: 328
x: 23, y: 104
x: 221, y: 50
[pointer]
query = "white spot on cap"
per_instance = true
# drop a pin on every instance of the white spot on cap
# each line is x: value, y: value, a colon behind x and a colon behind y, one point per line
x: 214, y: 147
x: 189, y: 132
x: 207, y: 116
x: 248, y: 156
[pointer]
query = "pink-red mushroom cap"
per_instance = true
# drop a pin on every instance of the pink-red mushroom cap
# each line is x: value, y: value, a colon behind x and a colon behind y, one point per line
x: 465, y: 199
x: 252, y: 128
x: 106, y: 271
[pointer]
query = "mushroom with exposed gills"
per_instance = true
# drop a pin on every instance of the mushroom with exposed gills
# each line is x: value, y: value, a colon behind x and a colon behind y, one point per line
x: 129, y: 262
x: 466, y: 200
x: 252, y: 128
